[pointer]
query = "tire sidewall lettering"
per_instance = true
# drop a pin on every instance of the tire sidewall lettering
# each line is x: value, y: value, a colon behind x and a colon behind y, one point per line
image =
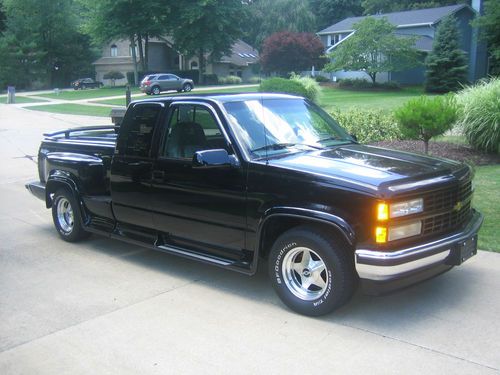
x: 277, y: 264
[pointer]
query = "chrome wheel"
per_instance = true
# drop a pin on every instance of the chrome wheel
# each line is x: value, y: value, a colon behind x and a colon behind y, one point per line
x: 187, y: 87
x: 304, y: 273
x: 156, y: 90
x: 65, y: 215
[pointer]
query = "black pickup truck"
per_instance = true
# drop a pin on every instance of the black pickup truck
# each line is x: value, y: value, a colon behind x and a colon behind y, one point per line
x: 232, y: 180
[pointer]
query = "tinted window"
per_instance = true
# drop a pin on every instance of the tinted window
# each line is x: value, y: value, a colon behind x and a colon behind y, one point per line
x: 137, y: 130
x: 163, y: 77
x: 192, y: 128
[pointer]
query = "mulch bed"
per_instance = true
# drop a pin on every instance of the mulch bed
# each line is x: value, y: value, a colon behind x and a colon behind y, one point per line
x: 447, y: 150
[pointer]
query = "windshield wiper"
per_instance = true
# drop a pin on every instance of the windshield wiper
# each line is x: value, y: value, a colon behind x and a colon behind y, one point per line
x: 281, y: 146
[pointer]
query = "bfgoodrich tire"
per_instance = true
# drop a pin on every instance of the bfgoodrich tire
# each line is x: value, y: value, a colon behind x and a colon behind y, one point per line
x: 311, y: 271
x: 66, y: 216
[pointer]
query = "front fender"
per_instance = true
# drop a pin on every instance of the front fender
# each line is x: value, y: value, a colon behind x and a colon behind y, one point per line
x: 56, y: 179
x: 343, y: 226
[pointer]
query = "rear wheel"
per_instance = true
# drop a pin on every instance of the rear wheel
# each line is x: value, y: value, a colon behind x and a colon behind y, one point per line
x: 311, y: 271
x: 66, y: 216
x: 155, y: 90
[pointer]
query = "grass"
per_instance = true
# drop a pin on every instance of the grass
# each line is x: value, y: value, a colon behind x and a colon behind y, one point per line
x: 334, y: 98
x: 121, y: 101
x: 486, y: 200
x: 90, y: 93
x: 73, y: 109
x: 25, y: 99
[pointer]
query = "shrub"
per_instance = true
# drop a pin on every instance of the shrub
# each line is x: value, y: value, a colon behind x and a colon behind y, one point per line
x: 254, y: 79
x: 479, y: 115
x: 283, y: 85
x: 426, y: 117
x: 113, y: 76
x: 368, y: 125
x: 210, y: 79
x: 233, y: 80
x: 356, y: 83
x: 313, y: 89
x: 320, y: 79
x: 222, y: 80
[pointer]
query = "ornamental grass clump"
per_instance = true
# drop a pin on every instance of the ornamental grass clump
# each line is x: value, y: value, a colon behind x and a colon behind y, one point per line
x: 296, y: 85
x: 479, y: 116
x: 426, y: 117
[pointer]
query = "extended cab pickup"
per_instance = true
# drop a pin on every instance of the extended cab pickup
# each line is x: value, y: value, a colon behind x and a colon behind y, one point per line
x: 231, y: 179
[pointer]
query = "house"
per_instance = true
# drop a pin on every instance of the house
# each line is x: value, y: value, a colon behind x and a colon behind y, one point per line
x: 421, y: 23
x: 163, y: 57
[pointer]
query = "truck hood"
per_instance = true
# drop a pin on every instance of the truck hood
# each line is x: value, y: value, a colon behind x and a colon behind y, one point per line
x: 372, y: 168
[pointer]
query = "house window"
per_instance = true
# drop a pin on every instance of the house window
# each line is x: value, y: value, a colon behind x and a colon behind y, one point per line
x: 194, y: 65
x: 114, y: 50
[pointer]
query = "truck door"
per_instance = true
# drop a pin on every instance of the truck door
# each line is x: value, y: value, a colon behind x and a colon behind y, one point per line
x: 197, y: 209
x: 132, y: 164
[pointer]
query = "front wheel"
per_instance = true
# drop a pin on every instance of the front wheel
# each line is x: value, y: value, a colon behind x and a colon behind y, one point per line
x: 187, y: 87
x: 311, y: 271
x: 66, y: 217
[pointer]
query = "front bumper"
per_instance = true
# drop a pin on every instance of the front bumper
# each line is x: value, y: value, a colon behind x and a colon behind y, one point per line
x: 402, y: 267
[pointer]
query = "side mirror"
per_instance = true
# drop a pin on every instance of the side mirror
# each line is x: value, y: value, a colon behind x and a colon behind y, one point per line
x: 218, y: 158
x: 353, y: 136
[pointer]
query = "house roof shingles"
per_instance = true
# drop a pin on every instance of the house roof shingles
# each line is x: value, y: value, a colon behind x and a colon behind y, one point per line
x: 242, y: 54
x: 410, y: 17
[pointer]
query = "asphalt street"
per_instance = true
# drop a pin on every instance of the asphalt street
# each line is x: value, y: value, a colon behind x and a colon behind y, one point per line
x: 105, y: 307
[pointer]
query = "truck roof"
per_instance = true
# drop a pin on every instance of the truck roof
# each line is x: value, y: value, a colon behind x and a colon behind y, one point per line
x: 222, y: 98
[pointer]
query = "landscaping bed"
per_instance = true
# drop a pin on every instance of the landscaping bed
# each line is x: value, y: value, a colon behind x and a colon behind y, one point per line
x: 454, y: 151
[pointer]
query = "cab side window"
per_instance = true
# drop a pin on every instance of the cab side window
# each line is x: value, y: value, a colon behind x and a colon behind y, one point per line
x: 192, y: 128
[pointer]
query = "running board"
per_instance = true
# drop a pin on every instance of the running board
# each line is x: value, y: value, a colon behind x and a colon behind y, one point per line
x: 197, y: 256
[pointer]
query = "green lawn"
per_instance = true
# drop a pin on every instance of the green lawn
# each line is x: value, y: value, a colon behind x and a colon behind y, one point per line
x: 24, y: 99
x: 121, y: 102
x: 90, y: 93
x: 334, y: 98
x: 487, y: 201
x: 74, y: 109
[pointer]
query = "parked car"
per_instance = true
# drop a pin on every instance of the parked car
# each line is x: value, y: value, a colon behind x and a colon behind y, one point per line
x: 86, y: 83
x: 232, y: 180
x: 154, y: 84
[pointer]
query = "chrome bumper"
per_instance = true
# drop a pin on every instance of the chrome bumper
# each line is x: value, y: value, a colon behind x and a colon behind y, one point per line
x: 384, y: 266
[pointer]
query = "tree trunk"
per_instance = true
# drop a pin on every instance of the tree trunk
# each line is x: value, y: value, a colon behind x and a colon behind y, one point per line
x: 426, y: 146
x: 146, y: 52
x: 141, y: 52
x: 134, y: 59
x: 373, y: 77
x: 201, y: 65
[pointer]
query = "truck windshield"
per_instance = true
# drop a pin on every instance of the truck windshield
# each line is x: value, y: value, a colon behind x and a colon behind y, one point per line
x: 269, y: 127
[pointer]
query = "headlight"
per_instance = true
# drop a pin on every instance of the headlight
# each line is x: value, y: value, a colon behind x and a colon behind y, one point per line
x: 406, y: 208
x: 403, y: 231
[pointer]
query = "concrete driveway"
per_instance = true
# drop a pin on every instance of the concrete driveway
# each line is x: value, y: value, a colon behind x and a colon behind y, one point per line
x: 105, y: 307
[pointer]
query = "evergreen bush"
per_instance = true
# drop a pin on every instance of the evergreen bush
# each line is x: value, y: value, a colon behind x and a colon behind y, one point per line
x: 368, y: 125
x: 426, y: 117
x: 479, y: 115
x: 302, y: 86
x: 446, y: 65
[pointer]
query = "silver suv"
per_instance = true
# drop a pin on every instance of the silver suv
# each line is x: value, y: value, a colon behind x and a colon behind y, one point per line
x: 154, y: 84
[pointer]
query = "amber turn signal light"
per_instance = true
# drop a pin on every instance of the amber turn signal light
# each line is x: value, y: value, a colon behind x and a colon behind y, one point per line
x: 382, y: 211
x: 381, y: 234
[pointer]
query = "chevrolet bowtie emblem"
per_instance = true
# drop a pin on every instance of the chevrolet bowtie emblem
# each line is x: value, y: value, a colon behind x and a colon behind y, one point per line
x: 458, y: 206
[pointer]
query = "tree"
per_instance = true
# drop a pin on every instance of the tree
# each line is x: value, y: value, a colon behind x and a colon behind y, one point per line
x: 207, y: 28
x: 490, y: 32
x: 328, y: 12
x: 39, y: 41
x: 446, y: 64
x: 135, y: 20
x: 287, y: 51
x: 271, y: 16
x: 426, y: 117
x: 373, y: 48
x: 113, y: 76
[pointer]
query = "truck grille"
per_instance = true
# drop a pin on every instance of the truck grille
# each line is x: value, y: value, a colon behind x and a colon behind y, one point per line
x: 447, y: 200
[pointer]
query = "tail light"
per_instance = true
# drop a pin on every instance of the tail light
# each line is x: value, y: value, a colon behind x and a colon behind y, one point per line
x: 147, y: 83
